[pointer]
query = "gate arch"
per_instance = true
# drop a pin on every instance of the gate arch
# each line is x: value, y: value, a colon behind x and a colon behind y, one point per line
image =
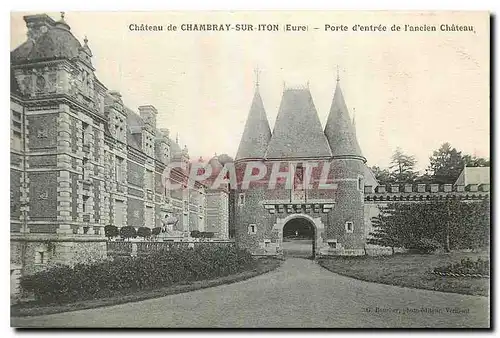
x: 316, y: 223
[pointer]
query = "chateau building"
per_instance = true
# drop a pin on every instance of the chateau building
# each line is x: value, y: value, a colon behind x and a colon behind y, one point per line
x: 298, y: 149
x: 81, y: 159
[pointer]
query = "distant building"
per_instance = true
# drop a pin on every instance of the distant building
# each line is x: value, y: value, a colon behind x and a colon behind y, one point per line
x: 474, y: 175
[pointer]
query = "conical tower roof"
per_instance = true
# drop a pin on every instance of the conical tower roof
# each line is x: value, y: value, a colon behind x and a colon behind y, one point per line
x: 339, y: 130
x: 257, y: 132
x: 297, y: 132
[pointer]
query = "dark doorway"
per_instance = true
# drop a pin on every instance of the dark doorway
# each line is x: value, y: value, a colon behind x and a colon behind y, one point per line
x: 298, y: 238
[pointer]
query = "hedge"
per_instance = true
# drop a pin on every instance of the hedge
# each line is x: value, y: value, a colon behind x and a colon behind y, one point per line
x: 466, y: 267
x: 63, y: 284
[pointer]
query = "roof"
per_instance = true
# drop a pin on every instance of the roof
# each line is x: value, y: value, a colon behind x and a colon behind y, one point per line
x: 47, y: 39
x: 257, y: 132
x: 298, y: 131
x: 339, y: 129
x: 369, y: 177
x: 474, y: 175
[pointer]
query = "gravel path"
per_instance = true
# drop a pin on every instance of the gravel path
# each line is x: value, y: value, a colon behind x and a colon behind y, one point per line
x: 300, y: 293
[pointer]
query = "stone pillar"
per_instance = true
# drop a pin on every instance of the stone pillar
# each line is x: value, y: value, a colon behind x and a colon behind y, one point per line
x: 64, y: 179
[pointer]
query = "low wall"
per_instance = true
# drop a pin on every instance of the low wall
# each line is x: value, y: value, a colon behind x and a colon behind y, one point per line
x: 126, y: 249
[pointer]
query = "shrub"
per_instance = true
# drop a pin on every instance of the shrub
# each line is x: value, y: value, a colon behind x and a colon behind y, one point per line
x: 156, y: 231
x: 128, y: 232
x: 159, y: 269
x: 425, y: 246
x: 206, y: 234
x: 144, y: 232
x: 195, y: 234
x: 467, y: 266
x: 111, y: 231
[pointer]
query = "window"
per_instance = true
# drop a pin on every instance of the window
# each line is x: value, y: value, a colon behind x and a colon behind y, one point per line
x: 40, y: 257
x: 332, y: 243
x: 85, y: 204
x: 85, y: 172
x: 360, y: 183
x: 85, y: 133
x: 16, y: 141
x: 119, y: 169
x: 241, y: 199
x: 349, y: 227
x: 150, y: 217
x: 15, y: 129
x: 299, y: 176
x: 149, y: 180
x: 252, y: 229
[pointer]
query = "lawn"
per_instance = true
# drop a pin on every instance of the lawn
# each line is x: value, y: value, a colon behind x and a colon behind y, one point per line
x: 33, y: 308
x: 410, y: 270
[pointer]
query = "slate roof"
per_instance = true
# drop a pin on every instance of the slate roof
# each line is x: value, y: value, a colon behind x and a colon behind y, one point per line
x: 474, y: 175
x: 56, y: 42
x: 257, y: 132
x: 369, y: 176
x: 339, y: 129
x: 298, y: 131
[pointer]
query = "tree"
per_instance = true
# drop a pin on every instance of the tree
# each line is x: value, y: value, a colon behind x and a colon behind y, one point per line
x: 402, y: 167
x: 451, y: 223
x: 144, y: 232
x: 128, y: 232
x: 156, y: 231
x: 387, y: 232
x: 446, y: 164
x: 111, y: 231
x: 207, y: 234
x: 195, y: 234
x: 383, y: 176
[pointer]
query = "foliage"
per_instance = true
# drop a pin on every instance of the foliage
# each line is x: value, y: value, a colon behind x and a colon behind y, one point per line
x: 144, y: 232
x: 383, y: 176
x: 467, y: 266
x: 425, y: 246
x: 402, y: 167
x: 128, y: 232
x: 473, y: 161
x: 159, y: 269
x: 207, y: 234
x: 111, y: 231
x: 453, y: 224
x: 156, y: 231
x: 446, y: 164
x: 195, y: 234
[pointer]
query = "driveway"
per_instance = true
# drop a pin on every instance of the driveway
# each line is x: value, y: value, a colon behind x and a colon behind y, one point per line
x: 300, y: 293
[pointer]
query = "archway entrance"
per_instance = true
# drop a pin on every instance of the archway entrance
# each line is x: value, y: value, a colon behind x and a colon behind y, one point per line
x: 299, y: 238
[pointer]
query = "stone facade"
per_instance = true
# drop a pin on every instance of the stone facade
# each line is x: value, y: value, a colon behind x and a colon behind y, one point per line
x: 81, y: 159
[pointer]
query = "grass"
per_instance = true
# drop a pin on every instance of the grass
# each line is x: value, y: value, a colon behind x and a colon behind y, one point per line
x: 33, y: 308
x: 410, y: 270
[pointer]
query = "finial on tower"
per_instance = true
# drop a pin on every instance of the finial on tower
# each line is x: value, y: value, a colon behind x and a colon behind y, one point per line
x: 62, y: 15
x: 85, y: 39
x: 338, y: 74
x: 177, y: 138
x: 257, y: 73
x: 307, y: 84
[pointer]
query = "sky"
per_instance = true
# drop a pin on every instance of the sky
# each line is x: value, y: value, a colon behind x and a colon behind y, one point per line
x: 413, y: 90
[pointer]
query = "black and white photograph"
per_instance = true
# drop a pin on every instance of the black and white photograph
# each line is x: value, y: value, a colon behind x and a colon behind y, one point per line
x: 250, y: 169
